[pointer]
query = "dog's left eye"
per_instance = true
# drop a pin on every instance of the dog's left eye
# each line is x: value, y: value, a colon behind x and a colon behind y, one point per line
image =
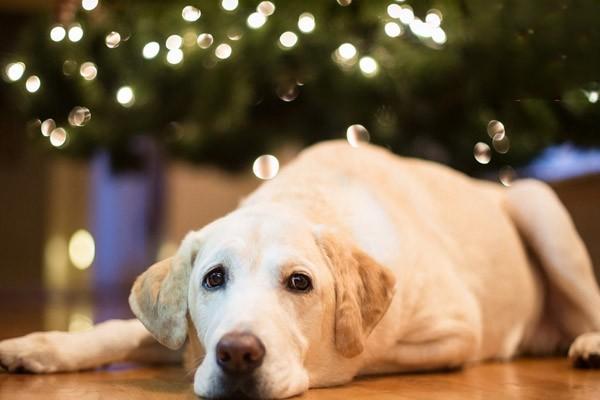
x: 214, y: 278
x: 299, y: 282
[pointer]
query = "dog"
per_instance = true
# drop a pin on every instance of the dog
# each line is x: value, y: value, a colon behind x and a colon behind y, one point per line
x: 352, y: 261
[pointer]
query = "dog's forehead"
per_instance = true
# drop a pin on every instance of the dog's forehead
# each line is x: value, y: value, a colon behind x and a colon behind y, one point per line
x: 258, y: 234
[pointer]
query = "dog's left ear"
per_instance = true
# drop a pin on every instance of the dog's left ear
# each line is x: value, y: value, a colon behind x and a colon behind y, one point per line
x: 363, y: 291
x: 159, y: 296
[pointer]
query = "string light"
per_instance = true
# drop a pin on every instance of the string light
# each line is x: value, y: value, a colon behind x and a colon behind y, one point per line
x: 14, y: 71
x: 420, y: 28
x: 58, y: 137
x: 57, y: 33
x: 113, y: 40
x: 88, y: 70
x: 190, y: 13
x: 392, y: 29
x: 368, y: 66
x: 256, y: 20
x: 47, y: 126
x: 79, y: 116
x: 434, y: 18
x: 89, y: 5
x: 174, y: 56
x: 205, y: 40
x: 223, y: 51
x: 288, y: 39
x: 174, y: 42
x: 229, y: 5
x: 394, y: 10
x: 406, y: 15
x: 266, y: 8
x: 150, y: 50
x: 306, y: 22
x: 33, y: 83
x: 75, y: 33
x: 125, y: 96
x: 347, y: 51
x: 438, y: 36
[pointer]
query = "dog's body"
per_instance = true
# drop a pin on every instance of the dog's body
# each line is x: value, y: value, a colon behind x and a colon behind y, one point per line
x: 412, y: 266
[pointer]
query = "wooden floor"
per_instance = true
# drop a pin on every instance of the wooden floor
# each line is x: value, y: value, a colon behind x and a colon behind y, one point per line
x: 551, y: 378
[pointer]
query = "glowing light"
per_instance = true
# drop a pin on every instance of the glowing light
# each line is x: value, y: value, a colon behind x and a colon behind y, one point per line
x: 125, y: 96
x: 266, y: 8
x: 174, y: 42
x: 266, y: 167
x: 75, y: 33
x: 47, y: 127
x: 406, y: 15
x: 229, y: 5
x: 394, y: 10
x: 392, y: 29
x: 234, y: 34
x: 368, y: 66
x: 80, y: 322
x: 113, y: 40
x: 256, y: 20
x: 89, y: 5
x: 288, y: 39
x: 344, y: 3
x: 205, y: 40
x: 82, y: 249
x: 174, y: 56
x: 58, y: 137
x: 150, y: 50
x: 357, y: 135
x: 33, y: 83
x: 306, y: 22
x: 439, y: 36
x: 592, y: 96
x: 347, y: 51
x: 507, y: 175
x: 482, y: 153
x: 501, y: 143
x: 79, y: 116
x: 57, y: 33
x: 223, y: 51
x: 434, y: 18
x: 190, y: 13
x: 88, y: 71
x: 14, y: 71
x: 420, y: 28
x: 495, y: 128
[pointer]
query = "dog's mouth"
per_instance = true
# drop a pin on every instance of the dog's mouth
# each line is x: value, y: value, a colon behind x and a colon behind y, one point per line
x: 241, y: 388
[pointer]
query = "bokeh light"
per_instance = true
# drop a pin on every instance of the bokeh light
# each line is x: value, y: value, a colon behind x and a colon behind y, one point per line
x: 256, y: 20
x: 266, y: 8
x: 190, y: 13
x: 57, y: 33
x: 79, y: 116
x: 223, y: 51
x: 357, y: 134
x: 14, y: 71
x: 88, y: 70
x: 266, y: 167
x: 33, y: 83
x: 75, y: 33
x: 306, y: 22
x: 494, y: 128
x: 392, y: 29
x: 368, y: 66
x: 150, y: 50
x: 112, y: 40
x: 482, y: 153
x: 174, y: 42
x: 288, y: 39
x: 229, y: 5
x: 175, y: 56
x: 89, y: 5
x: 205, y: 40
x: 58, y: 137
x: 47, y: 126
x: 125, y: 96
x: 82, y: 249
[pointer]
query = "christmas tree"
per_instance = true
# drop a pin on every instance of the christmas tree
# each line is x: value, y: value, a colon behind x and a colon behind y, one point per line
x: 225, y: 81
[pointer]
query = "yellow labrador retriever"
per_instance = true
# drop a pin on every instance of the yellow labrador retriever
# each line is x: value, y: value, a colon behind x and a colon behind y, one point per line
x: 352, y: 261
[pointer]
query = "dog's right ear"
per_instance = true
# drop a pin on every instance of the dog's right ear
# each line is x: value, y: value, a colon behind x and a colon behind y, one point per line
x: 159, y: 296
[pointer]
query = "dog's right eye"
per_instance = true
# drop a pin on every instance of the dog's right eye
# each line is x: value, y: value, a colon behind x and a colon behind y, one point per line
x: 214, y: 278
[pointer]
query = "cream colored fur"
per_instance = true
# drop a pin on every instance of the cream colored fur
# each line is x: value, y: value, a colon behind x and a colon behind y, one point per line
x: 414, y: 267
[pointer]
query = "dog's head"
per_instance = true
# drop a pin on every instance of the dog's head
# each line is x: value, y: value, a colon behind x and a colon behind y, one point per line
x: 276, y: 303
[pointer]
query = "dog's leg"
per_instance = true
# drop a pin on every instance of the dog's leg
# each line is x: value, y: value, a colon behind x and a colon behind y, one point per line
x: 110, y: 341
x: 575, y: 298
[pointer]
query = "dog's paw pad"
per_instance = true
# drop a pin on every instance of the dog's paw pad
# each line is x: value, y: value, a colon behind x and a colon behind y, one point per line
x: 585, y: 351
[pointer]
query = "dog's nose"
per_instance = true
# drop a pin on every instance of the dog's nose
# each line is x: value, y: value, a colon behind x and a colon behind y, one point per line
x: 240, y: 353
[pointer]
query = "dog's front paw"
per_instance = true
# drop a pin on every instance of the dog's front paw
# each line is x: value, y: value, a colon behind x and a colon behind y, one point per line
x: 36, y: 352
x: 585, y: 351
